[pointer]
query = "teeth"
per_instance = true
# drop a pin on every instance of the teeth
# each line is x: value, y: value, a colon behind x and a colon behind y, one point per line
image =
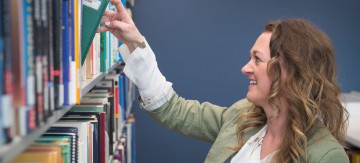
x: 253, y: 82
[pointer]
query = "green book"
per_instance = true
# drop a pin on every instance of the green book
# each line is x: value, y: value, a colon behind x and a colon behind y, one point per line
x: 59, y: 140
x: 103, y: 52
x: 92, y: 13
x: 88, y: 108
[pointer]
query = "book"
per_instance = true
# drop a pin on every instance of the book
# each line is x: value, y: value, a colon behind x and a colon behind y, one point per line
x: 71, y: 51
x: 28, y: 42
x: 38, y: 57
x: 114, y: 75
x: 82, y: 136
x: 57, y: 41
x: 106, y: 101
x: 45, y: 154
x: 66, y: 57
x: 2, y: 136
x: 108, y: 86
x: 96, y: 54
x: 92, y: 13
x: 100, y: 112
x: 62, y: 141
x: 7, y: 109
x: 44, y: 17
x: 90, y: 132
x: 67, y: 131
x: 103, y: 52
x: 93, y: 119
x: 50, y: 38
x: 18, y: 62
x: 78, y: 9
x: 122, y: 95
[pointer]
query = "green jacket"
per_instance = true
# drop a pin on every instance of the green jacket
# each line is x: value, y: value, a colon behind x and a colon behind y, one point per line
x: 217, y: 125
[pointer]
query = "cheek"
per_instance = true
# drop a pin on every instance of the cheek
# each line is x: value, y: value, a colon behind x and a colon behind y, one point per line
x: 265, y: 83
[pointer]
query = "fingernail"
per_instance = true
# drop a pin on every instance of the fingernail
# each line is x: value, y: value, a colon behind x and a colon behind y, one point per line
x: 107, y: 23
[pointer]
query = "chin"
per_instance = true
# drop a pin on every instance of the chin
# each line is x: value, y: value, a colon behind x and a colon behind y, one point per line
x: 250, y: 99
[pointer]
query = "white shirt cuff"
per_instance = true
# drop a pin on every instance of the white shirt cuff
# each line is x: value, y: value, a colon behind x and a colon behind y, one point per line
x: 141, y: 68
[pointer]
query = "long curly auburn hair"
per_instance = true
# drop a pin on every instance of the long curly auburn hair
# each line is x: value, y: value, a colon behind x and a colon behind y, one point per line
x: 310, y: 87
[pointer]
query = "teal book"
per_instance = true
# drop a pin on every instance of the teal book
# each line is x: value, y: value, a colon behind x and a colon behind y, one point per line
x: 92, y: 13
x: 63, y: 141
x: 103, y: 52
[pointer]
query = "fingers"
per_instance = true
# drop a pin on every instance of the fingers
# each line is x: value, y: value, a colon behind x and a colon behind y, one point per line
x: 109, y: 13
x: 105, y: 19
x: 113, y: 25
x: 102, y: 29
x: 119, y: 6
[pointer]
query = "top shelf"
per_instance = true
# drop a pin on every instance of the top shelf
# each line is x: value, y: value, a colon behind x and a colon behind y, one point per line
x: 19, y: 144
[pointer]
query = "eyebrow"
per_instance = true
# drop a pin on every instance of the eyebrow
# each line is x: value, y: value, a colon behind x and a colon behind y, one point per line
x: 256, y: 52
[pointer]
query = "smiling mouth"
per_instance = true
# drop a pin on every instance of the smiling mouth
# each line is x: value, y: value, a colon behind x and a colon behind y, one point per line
x: 253, y: 82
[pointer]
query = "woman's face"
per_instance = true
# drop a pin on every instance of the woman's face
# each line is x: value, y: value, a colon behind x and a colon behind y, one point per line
x: 256, y: 70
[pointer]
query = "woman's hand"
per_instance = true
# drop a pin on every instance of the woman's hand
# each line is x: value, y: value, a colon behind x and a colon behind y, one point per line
x: 121, y: 25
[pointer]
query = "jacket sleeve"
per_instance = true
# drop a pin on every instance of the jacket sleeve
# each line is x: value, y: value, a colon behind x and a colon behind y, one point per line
x: 191, y: 118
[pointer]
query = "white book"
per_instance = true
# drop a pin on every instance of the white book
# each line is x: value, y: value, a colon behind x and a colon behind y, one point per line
x: 72, y: 83
x: 82, y: 135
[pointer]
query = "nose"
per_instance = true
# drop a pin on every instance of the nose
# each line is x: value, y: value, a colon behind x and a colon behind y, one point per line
x: 247, y: 69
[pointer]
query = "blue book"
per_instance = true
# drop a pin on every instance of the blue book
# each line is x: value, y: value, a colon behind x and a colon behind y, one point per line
x: 65, y: 44
x: 28, y: 43
x: 122, y: 95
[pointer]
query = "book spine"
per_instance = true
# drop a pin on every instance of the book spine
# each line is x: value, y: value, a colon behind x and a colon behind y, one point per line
x: 2, y: 135
x: 72, y: 79
x: 51, y: 56
x: 29, y: 64
x: 6, y: 100
x: 58, y: 52
x: 77, y: 6
x: 122, y: 95
x: 103, y: 52
x: 103, y: 135
x: 38, y: 62
x: 17, y: 45
x: 45, y: 56
x: 66, y: 56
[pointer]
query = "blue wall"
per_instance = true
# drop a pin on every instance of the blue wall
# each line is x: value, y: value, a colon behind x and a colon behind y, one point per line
x: 201, y: 46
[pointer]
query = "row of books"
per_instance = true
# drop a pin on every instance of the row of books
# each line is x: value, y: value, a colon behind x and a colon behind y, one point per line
x: 92, y: 130
x: 41, y: 59
x: 80, y: 137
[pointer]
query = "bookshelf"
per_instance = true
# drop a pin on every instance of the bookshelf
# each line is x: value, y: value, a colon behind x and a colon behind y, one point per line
x: 42, y: 78
x: 9, y: 151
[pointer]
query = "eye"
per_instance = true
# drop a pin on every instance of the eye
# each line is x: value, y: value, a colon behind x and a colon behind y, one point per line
x: 257, y: 59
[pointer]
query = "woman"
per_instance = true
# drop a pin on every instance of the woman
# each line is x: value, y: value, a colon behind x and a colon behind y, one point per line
x: 292, y: 112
